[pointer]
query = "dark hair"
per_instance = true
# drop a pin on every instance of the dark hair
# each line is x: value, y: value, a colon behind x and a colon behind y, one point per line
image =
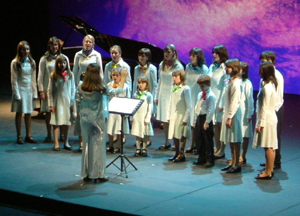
x: 245, y: 70
x: 267, y: 72
x: 204, y: 79
x: 147, y: 53
x: 59, y: 59
x: 92, y: 80
x: 173, y: 49
x: 19, y: 55
x: 200, y: 55
x: 235, y: 65
x: 222, y: 52
x: 268, y: 55
x: 51, y: 41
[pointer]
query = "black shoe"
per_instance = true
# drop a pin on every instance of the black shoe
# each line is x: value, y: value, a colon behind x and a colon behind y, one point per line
x: 262, y: 164
x: 234, y: 170
x: 172, y: 158
x: 116, y: 150
x: 29, y: 139
x: 199, y: 163
x: 144, y: 153
x: 179, y: 158
x: 189, y: 151
x: 137, y: 153
x: 56, y: 149
x: 208, y: 164
x: 265, y: 177
x: 165, y: 146
x: 219, y: 157
x: 67, y: 147
x: 47, y: 140
x: 20, y: 140
x: 226, y: 168
x: 103, y: 179
x: 110, y: 149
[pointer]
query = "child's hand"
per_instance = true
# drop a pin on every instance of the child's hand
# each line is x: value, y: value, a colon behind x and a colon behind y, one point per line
x: 123, y: 74
x: 248, y: 120
x: 168, y: 121
x: 220, y: 109
x: 75, y: 116
x: 146, y: 123
x: 229, y: 123
x: 259, y: 129
x: 35, y: 99
x: 52, y: 109
x: 71, y: 108
x: 156, y: 102
x: 43, y: 96
x: 205, y: 126
x: 184, y: 123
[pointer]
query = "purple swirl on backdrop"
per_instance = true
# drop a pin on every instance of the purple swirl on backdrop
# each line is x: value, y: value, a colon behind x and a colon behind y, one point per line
x: 245, y: 27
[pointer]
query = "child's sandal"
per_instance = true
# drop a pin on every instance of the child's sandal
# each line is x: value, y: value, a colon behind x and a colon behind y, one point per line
x: 144, y: 153
x: 137, y: 153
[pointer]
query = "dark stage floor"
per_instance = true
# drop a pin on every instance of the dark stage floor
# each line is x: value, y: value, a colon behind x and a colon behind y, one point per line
x: 41, y: 176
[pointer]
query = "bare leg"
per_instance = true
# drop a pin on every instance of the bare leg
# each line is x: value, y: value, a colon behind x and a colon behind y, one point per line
x: 18, y: 122
x: 182, y: 144
x: 236, y: 154
x: 232, y: 154
x: 80, y: 142
x: 119, y: 141
x: 270, y: 158
x: 111, y: 140
x: 28, y: 124
x: 55, y: 134
x: 245, y: 149
x: 48, y: 126
x: 176, y: 143
x: 217, y: 137
x: 192, y: 139
x: 65, y: 130
x: 166, y: 132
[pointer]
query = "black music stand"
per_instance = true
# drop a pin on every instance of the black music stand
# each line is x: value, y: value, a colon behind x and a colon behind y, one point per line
x: 123, y: 106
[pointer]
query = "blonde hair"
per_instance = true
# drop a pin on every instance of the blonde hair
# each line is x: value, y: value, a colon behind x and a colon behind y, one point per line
x: 90, y: 37
x: 144, y: 80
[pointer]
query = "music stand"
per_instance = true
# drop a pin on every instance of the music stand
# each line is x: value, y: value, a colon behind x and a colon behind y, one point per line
x: 123, y: 106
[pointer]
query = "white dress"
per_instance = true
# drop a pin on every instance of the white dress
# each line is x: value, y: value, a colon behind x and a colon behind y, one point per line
x: 179, y: 111
x: 232, y: 109
x: 61, y: 95
x: 46, y: 66
x: 266, y: 117
x: 192, y: 74
x: 163, y: 90
x: 247, y: 106
x: 23, y: 82
x: 81, y: 62
x: 120, y: 64
x: 218, y: 77
x: 143, y: 115
x: 92, y: 110
x: 114, y: 120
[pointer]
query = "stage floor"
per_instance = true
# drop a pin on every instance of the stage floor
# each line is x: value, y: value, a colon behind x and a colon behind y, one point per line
x: 158, y: 187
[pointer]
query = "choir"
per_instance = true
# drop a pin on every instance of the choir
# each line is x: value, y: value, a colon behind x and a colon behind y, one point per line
x: 212, y: 107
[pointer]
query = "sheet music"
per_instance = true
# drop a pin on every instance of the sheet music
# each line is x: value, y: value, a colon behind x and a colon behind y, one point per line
x: 127, y: 106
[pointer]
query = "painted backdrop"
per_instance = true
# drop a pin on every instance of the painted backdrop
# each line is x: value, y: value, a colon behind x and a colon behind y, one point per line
x: 245, y: 27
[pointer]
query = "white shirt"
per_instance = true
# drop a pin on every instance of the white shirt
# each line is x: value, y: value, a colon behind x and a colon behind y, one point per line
x: 205, y: 107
